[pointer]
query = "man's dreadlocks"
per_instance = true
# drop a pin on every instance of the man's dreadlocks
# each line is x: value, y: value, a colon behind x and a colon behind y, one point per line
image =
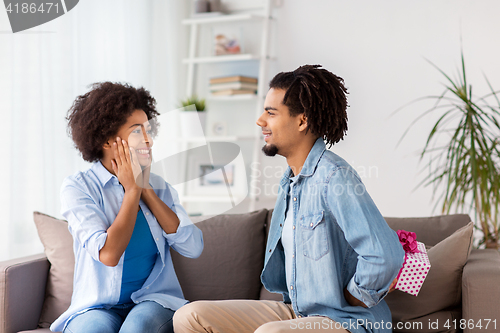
x: 320, y: 95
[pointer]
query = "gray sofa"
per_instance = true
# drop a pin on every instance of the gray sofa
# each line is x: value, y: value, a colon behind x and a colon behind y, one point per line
x: 230, y: 266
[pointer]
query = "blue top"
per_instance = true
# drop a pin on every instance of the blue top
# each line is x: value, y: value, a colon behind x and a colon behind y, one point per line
x: 90, y: 201
x: 140, y: 258
x: 340, y: 240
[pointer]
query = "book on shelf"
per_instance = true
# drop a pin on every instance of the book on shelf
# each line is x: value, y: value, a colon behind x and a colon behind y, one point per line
x: 234, y: 78
x: 232, y: 92
x: 233, y: 85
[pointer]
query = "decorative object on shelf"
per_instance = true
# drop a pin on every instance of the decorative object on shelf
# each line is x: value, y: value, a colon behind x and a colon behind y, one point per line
x: 214, y: 5
x: 469, y: 163
x: 193, y: 117
x: 226, y: 45
x: 233, y: 85
x: 201, y: 6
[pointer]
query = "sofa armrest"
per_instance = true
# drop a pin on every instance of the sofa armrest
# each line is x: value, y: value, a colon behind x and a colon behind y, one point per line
x: 480, y: 292
x: 22, y: 292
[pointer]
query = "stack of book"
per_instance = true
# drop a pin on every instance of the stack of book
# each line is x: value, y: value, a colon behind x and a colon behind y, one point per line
x: 233, y: 85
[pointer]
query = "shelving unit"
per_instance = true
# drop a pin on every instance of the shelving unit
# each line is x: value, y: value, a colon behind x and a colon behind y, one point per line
x: 223, y: 19
x: 261, y: 56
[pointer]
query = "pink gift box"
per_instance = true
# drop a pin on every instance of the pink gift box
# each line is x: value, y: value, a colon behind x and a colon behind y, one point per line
x: 414, y: 271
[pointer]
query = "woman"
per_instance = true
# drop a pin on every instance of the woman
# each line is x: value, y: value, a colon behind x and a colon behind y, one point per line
x: 123, y: 219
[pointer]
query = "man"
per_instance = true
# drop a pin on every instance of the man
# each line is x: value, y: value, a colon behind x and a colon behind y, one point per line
x: 329, y: 251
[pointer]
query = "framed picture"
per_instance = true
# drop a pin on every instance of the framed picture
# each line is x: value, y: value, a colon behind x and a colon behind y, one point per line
x: 218, y: 180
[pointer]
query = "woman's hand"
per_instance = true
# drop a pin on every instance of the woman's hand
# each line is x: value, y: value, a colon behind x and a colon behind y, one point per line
x: 125, y: 166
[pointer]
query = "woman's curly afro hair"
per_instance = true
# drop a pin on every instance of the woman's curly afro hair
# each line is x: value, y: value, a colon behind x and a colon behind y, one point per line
x: 320, y: 95
x: 98, y: 115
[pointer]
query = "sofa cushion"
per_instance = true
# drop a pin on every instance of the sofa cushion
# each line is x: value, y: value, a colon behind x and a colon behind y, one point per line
x: 231, y: 262
x: 443, y: 285
x: 429, y: 230
x: 58, y: 244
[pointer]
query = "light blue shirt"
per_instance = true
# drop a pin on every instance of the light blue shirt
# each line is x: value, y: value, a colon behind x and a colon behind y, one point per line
x: 90, y: 203
x: 340, y: 240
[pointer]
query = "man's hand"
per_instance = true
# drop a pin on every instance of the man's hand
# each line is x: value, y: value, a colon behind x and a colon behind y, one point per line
x: 356, y: 302
x: 392, y: 287
x: 353, y: 300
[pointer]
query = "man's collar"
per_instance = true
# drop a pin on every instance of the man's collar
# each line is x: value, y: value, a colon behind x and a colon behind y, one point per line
x: 102, y: 173
x: 310, y: 163
x: 313, y: 158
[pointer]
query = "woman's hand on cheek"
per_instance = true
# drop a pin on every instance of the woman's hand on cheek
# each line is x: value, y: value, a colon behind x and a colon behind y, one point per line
x: 123, y: 167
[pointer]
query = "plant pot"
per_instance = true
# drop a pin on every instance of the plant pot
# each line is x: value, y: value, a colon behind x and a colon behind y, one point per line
x: 193, y: 123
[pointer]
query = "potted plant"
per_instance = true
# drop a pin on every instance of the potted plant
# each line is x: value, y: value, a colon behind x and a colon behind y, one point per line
x: 192, y: 117
x: 468, y: 163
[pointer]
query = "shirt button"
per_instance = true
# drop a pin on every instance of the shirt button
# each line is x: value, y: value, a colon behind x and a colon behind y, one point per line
x: 147, y: 213
x: 281, y: 225
x: 311, y: 224
x: 147, y: 287
x: 300, y: 316
x: 291, y: 287
x: 293, y: 255
x: 157, y: 239
x: 295, y: 199
x: 293, y: 227
x: 269, y: 250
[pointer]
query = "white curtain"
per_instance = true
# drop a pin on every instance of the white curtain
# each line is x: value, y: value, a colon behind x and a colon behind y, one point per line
x: 43, y: 69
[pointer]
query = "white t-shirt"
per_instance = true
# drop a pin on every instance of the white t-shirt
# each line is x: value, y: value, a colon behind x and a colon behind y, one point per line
x: 287, y: 236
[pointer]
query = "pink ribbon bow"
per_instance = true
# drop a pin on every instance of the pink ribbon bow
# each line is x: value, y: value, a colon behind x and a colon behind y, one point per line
x: 408, y: 240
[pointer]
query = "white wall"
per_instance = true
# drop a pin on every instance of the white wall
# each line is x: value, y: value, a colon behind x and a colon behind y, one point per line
x: 379, y: 48
x: 43, y: 69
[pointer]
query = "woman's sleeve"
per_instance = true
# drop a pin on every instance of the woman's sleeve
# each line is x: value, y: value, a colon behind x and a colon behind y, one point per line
x: 188, y: 239
x: 380, y: 255
x: 86, y: 221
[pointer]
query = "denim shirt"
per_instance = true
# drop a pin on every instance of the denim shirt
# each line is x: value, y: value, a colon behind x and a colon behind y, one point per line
x: 340, y: 240
x: 90, y: 202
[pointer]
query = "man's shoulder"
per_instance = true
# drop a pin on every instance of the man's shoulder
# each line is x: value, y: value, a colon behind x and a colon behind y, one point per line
x: 332, y: 164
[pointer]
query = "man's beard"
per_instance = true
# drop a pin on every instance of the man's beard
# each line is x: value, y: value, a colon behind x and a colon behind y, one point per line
x: 270, y: 150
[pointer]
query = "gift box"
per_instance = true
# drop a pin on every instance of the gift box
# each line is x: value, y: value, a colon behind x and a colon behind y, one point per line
x: 416, y: 264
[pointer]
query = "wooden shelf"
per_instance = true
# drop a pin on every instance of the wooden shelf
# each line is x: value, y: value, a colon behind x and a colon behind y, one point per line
x: 221, y: 58
x: 222, y: 19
